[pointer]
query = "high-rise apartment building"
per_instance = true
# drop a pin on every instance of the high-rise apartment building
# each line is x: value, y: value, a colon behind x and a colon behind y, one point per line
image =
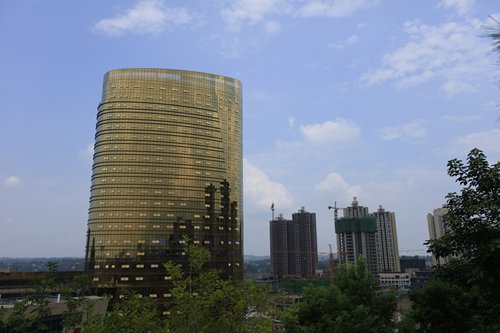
x: 387, y: 242
x: 278, y: 235
x: 294, y: 249
x: 303, y: 243
x: 437, y: 229
x: 167, y: 170
x: 356, y: 236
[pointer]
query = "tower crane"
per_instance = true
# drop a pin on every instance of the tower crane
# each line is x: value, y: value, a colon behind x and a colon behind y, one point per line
x: 341, y: 253
x: 331, y: 266
x: 335, y: 211
x: 335, y: 215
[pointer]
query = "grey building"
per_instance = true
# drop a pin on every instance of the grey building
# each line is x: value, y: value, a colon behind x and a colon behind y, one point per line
x: 278, y: 230
x: 437, y: 229
x: 303, y: 243
x: 294, y: 249
x: 387, y: 241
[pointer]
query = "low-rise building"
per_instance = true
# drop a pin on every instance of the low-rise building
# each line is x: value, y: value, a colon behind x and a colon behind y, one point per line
x: 396, y: 280
x: 412, y: 263
x: 57, y: 307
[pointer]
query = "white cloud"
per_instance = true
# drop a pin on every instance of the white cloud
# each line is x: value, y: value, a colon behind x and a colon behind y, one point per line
x: 230, y: 48
x: 336, y: 187
x: 12, y: 181
x: 452, y: 88
x: 261, y: 192
x: 251, y: 11
x: 340, y: 131
x: 412, y: 131
x: 460, y: 119
x: 335, y: 8
x: 239, y: 12
x: 450, y: 53
x: 487, y: 141
x: 291, y: 121
x: 462, y: 7
x: 87, y: 153
x: 349, y: 41
x: 413, y: 176
x: 272, y: 27
x: 148, y: 16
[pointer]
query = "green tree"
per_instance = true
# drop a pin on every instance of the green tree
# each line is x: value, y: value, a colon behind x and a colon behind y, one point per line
x: 353, y: 304
x: 204, y: 302
x: 131, y: 314
x: 465, y: 295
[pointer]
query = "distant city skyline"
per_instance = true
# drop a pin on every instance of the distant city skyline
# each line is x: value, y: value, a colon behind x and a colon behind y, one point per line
x: 341, y: 98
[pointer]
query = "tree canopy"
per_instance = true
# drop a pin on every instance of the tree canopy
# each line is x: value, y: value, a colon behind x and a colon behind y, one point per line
x: 204, y: 302
x: 464, y: 295
x: 353, y: 304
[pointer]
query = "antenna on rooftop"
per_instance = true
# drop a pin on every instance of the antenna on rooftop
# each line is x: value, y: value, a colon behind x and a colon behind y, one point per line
x: 272, y: 210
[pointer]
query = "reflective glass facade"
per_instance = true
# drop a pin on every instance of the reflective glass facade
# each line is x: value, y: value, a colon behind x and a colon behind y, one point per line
x: 167, y: 164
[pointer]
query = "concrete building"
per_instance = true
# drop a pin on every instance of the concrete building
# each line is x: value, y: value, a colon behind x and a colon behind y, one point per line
x: 437, y: 229
x: 278, y: 231
x: 303, y: 243
x: 356, y: 236
x: 412, y: 263
x: 294, y: 249
x: 167, y: 167
x: 387, y: 242
x: 56, y: 309
x: 396, y: 280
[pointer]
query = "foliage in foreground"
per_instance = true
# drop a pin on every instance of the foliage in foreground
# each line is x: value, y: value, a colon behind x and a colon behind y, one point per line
x: 464, y: 295
x: 203, y: 302
x: 353, y: 305
x: 132, y: 314
x: 28, y: 314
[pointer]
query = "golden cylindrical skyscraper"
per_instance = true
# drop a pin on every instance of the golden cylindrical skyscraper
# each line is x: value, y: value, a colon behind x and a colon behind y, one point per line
x: 167, y: 167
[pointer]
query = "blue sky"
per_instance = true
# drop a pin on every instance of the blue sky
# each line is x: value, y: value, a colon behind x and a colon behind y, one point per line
x: 342, y: 98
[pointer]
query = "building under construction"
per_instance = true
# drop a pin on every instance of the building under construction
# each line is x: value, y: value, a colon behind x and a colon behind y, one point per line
x: 356, y: 236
